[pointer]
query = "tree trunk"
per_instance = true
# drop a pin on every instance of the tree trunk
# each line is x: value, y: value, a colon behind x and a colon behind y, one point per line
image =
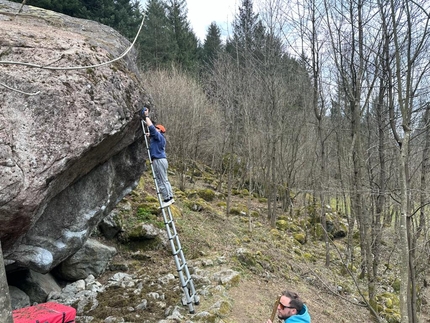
x: 273, y: 185
x: 403, y: 233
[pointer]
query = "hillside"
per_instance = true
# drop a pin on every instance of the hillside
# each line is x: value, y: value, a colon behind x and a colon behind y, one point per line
x: 268, y: 261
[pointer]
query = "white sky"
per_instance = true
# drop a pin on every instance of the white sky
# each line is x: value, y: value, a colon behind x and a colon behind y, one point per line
x: 202, y: 12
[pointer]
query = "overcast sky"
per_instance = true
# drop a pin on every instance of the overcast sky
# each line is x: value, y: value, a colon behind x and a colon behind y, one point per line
x: 202, y: 12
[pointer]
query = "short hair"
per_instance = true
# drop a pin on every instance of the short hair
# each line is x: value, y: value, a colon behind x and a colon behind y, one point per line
x: 295, y: 300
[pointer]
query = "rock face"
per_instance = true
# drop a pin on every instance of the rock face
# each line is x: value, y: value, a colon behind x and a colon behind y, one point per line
x: 71, y: 152
x: 91, y: 259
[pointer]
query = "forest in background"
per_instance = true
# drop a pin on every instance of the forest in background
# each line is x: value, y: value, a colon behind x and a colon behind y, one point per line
x: 307, y: 103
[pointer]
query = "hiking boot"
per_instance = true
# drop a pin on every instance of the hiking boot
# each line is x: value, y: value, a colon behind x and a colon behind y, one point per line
x: 167, y: 202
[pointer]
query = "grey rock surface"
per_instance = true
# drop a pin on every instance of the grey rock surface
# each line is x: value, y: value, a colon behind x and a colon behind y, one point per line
x: 71, y: 152
x: 38, y: 286
x: 18, y: 298
x: 92, y: 259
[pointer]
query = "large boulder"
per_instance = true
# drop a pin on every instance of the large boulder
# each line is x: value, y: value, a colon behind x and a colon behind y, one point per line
x: 92, y: 259
x: 70, y: 138
x: 37, y: 286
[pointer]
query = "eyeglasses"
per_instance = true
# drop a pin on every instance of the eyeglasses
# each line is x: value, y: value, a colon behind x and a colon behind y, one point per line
x: 284, y: 306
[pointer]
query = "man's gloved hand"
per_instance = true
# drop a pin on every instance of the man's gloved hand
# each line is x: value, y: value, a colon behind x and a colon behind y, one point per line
x: 144, y: 113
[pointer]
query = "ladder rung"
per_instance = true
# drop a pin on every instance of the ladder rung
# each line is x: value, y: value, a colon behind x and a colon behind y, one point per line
x: 182, y: 267
x: 186, y: 283
x: 173, y: 237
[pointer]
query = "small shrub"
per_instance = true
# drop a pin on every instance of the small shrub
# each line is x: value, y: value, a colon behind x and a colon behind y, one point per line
x: 144, y: 214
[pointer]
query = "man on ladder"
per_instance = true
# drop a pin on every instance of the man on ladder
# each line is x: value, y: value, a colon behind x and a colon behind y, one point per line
x: 159, y: 159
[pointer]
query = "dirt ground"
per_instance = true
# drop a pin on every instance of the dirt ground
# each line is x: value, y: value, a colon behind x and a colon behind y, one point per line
x: 276, y: 262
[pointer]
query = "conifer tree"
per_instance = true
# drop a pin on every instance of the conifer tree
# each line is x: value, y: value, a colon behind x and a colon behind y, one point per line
x: 244, y: 31
x: 155, y: 46
x: 212, y: 45
x: 185, y: 43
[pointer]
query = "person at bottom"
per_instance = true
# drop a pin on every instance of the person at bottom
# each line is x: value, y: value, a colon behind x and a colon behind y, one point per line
x: 291, y: 309
x: 159, y: 160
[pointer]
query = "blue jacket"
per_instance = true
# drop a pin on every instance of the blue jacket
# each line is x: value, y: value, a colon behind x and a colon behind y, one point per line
x: 157, y: 145
x: 301, y: 317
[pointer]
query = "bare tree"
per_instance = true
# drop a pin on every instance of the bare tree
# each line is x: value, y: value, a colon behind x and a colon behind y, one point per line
x: 409, y: 23
x: 192, y: 122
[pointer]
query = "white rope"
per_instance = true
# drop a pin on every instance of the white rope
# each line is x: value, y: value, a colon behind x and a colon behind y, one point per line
x: 70, y: 67
x: 19, y: 91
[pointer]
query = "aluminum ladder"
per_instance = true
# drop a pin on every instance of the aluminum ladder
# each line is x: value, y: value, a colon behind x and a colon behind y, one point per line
x: 181, y: 264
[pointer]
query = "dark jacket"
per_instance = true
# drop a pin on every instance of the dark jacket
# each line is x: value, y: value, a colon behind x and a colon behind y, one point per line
x: 157, y: 144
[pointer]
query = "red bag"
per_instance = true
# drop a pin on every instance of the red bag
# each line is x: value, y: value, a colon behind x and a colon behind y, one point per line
x: 50, y: 312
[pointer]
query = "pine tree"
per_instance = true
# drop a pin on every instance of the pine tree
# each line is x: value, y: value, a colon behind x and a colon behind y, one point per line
x: 245, y: 26
x: 155, y: 46
x: 185, y: 43
x: 127, y: 17
x: 212, y: 45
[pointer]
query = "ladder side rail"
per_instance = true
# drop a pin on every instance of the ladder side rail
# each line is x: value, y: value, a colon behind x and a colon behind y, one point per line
x: 178, y: 255
x: 184, y: 265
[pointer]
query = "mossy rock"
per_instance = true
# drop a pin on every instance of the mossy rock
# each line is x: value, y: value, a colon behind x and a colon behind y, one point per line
x: 275, y: 233
x: 207, y: 194
x: 246, y: 258
x: 390, y: 300
x: 391, y: 317
x: 145, y: 245
x: 191, y: 194
x: 255, y: 214
x: 262, y: 200
x: 195, y: 205
x: 221, y: 204
x: 235, y: 211
x: 197, y: 173
x: 294, y: 228
x: 309, y: 257
x: 282, y: 225
x: 206, y: 317
x: 300, y: 237
x: 244, y: 192
x: 222, y: 308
